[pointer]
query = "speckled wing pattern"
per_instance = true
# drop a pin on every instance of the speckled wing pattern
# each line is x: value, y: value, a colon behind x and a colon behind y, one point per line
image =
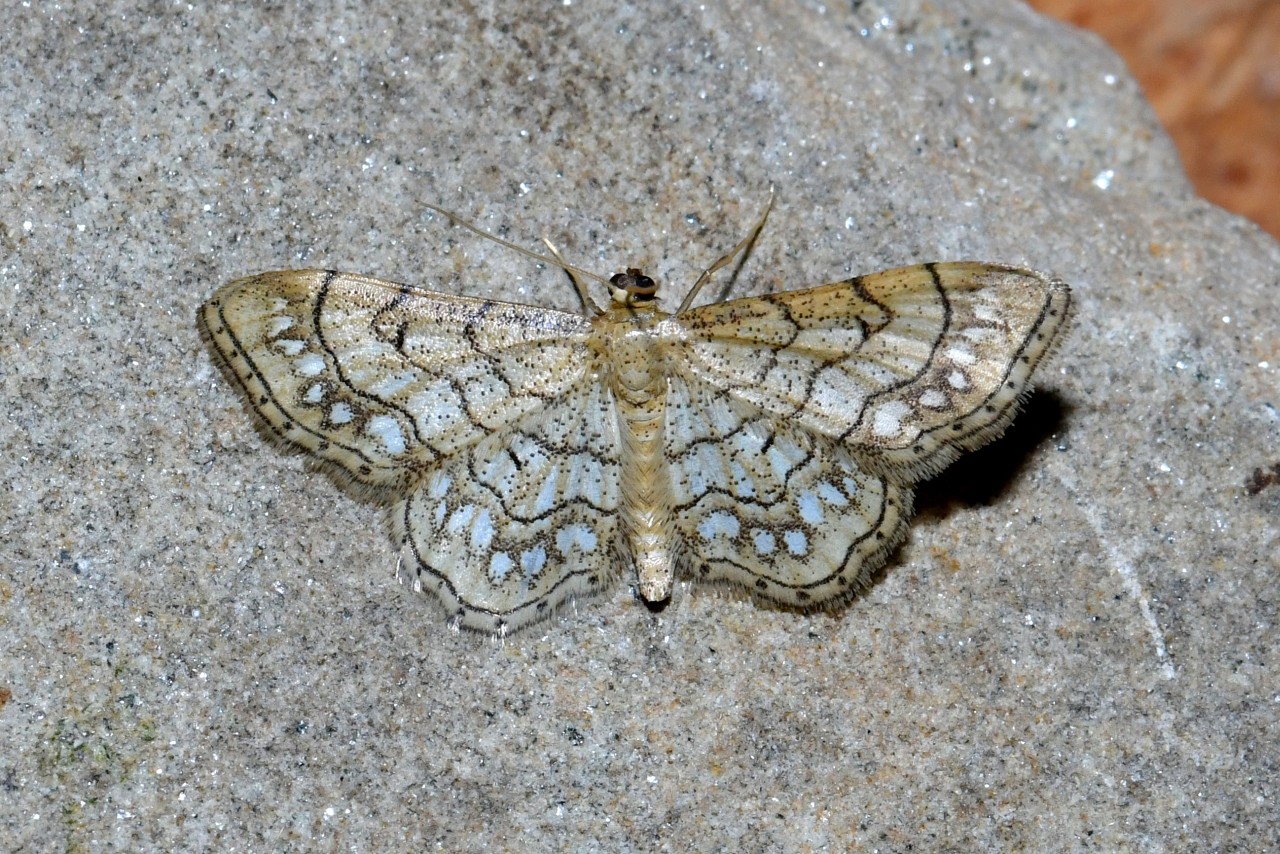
x: 793, y: 426
x: 799, y: 421
x: 384, y: 380
x: 526, y: 518
x: 792, y: 515
x: 480, y: 419
x: 910, y: 367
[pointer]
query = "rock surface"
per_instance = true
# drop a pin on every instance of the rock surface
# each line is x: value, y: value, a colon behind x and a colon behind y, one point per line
x: 206, y: 646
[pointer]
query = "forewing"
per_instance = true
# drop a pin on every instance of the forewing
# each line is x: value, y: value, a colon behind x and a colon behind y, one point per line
x: 762, y: 502
x: 385, y: 379
x: 909, y: 367
x: 526, y: 518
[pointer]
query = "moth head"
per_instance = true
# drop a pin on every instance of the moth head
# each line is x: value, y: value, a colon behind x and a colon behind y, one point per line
x: 632, y: 287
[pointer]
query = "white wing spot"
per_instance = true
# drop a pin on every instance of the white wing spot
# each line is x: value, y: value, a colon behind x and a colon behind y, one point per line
x: 957, y: 381
x: 439, y: 485
x: 764, y: 542
x: 831, y: 495
x: 496, y: 468
x: 697, y: 475
x: 461, y: 518
x: 575, y: 535
x: 386, y: 430
x: 797, y: 542
x: 315, y: 393
x: 887, y: 420
x: 779, y: 462
x: 983, y: 337
x: 311, y: 365
x: 934, y: 399
x: 482, y: 531
x: 988, y: 312
x: 290, y: 347
x: 810, y: 508
x: 961, y: 356
x: 532, y: 561
x: 743, y: 485
x: 340, y: 413
x: 500, y: 564
x: 720, y: 523
x: 280, y: 324
x: 547, y: 494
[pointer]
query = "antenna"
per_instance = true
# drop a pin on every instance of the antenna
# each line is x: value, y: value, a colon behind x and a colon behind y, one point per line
x: 557, y: 261
x: 725, y: 260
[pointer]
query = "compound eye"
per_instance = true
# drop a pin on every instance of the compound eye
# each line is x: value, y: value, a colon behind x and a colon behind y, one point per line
x: 633, y: 285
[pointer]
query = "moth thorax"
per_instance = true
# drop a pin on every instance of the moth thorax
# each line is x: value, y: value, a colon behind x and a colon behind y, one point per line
x: 632, y: 287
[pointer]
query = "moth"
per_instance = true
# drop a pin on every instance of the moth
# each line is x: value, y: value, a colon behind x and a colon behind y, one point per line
x: 530, y: 455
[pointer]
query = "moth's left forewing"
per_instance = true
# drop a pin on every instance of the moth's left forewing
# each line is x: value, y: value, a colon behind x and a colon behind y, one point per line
x: 910, y: 367
x: 382, y: 379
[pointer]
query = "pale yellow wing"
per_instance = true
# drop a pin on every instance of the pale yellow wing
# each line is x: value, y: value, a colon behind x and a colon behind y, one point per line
x: 507, y: 530
x: 907, y: 367
x: 759, y: 501
x: 385, y: 379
